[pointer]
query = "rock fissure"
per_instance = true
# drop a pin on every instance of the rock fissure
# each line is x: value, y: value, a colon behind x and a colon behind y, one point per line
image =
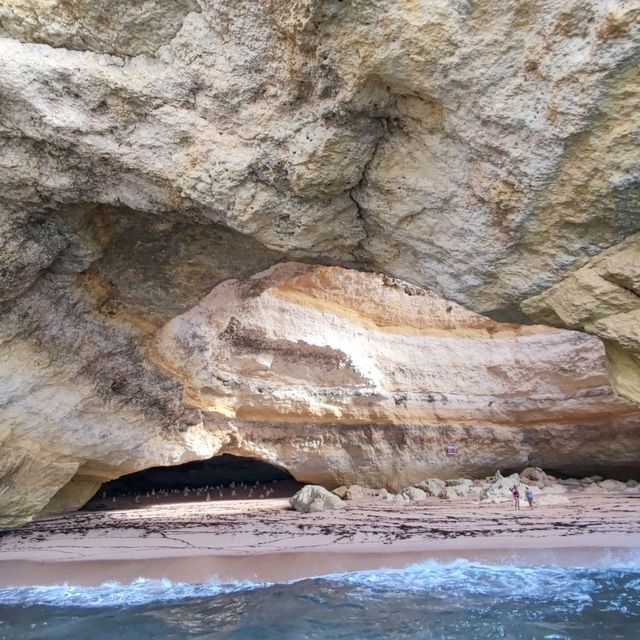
x: 353, y: 191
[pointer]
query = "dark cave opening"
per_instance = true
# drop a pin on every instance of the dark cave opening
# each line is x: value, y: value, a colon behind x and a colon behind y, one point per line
x: 222, y: 477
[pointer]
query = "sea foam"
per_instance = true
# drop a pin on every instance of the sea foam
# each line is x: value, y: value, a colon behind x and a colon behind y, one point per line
x: 110, y: 594
x: 577, y: 585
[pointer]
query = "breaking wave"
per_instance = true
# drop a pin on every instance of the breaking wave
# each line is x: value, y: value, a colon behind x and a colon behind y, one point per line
x: 437, y: 579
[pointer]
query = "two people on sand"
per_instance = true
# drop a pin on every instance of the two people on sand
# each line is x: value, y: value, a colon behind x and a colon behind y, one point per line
x: 528, y: 494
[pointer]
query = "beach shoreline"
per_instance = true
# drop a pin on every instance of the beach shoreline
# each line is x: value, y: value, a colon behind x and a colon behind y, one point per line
x: 288, y: 566
x: 263, y: 540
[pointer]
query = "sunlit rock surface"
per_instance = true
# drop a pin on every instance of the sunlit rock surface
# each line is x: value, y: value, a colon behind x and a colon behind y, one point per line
x: 358, y: 376
x: 485, y: 151
x: 603, y: 298
x: 335, y: 375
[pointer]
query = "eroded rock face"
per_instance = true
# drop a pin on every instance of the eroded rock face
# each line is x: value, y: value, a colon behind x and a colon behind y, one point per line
x: 483, y: 149
x: 79, y: 399
x: 603, y: 298
x: 486, y: 151
x: 118, y: 27
x: 337, y: 375
x: 367, y: 373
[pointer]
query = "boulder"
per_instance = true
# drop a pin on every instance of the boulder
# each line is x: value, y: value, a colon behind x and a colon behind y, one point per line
x: 356, y: 492
x: 593, y: 489
x: 499, y: 488
x: 534, y: 475
x: 506, y: 483
x: 451, y: 489
x: 612, y: 485
x: 431, y: 486
x: 397, y: 497
x: 553, y: 489
x: 495, y: 493
x: 459, y: 482
x: 341, y: 492
x: 448, y: 493
x: 414, y: 494
x: 314, y: 498
x: 477, y: 489
x: 571, y: 482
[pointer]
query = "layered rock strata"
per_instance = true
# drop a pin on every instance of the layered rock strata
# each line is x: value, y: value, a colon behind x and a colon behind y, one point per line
x: 486, y: 150
x: 368, y: 378
x: 603, y: 298
x: 339, y: 376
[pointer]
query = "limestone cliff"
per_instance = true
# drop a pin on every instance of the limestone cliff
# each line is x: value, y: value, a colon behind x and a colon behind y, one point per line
x: 484, y: 151
x: 603, y: 298
x: 336, y: 375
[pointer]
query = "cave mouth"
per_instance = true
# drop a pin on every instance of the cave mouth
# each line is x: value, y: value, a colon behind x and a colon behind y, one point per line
x: 222, y: 477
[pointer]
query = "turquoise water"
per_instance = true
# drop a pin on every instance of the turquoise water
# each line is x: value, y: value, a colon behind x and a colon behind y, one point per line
x: 431, y: 600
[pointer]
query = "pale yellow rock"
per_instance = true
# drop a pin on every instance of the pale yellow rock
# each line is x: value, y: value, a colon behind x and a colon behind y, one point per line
x: 341, y: 377
x: 611, y: 485
x: 603, y: 298
x: 119, y: 26
x: 594, y: 489
x: 431, y: 486
x: 410, y: 136
x: 312, y: 498
x: 150, y: 151
x: 310, y: 347
x: 414, y: 494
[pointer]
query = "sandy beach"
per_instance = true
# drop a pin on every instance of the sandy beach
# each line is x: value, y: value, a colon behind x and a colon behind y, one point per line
x: 266, y: 540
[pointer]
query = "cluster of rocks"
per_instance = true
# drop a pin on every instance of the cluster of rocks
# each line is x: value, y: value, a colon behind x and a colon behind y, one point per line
x: 548, y: 490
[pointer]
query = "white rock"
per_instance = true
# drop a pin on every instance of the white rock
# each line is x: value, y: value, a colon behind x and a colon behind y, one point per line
x: 612, y: 485
x: 414, y: 494
x: 553, y: 489
x: 431, y: 486
x: 312, y: 498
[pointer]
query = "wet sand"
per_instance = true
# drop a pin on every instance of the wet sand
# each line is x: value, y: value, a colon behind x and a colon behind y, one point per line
x: 264, y: 540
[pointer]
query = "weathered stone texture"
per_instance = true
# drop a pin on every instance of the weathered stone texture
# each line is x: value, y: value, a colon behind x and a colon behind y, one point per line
x: 603, y: 298
x: 149, y: 151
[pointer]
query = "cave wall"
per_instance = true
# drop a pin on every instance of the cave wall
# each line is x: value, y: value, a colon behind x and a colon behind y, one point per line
x: 337, y: 375
x: 483, y: 151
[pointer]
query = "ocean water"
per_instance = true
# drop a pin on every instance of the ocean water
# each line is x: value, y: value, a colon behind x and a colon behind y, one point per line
x: 431, y: 600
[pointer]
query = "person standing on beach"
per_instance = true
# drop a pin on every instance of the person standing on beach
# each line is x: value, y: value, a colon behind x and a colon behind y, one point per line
x: 516, y: 497
x: 528, y: 494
